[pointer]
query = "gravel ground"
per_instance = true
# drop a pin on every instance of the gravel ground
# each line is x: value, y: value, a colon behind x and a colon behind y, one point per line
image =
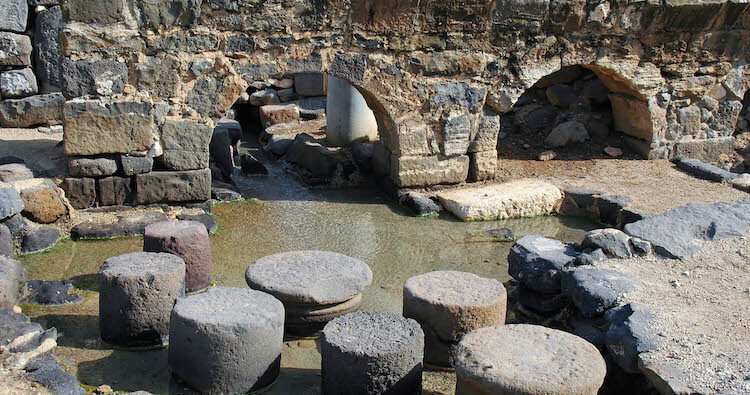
x: 702, y: 311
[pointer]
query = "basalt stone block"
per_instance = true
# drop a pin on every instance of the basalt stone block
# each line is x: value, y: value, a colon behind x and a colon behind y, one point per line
x: 47, y: 57
x: 13, y: 15
x: 10, y: 203
x: 539, y: 262
x: 185, y: 160
x: 47, y: 372
x: 185, y: 135
x: 218, y: 345
x: 630, y: 333
x: 372, y: 353
x: 541, y: 303
x: 309, y: 84
x: 613, y: 242
x: 704, y: 170
x: 450, y: 304
x: 91, y: 167
x: 457, y: 94
x: 18, y: 83
x: 132, y: 165
x: 527, y: 359
x: 33, y: 110
x: 95, y: 11
x: 189, y: 241
x: 7, y: 245
x: 594, y: 290
x: 251, y: 166
x: 115, y: 191
x: 173, y: 186
x: 15, y: 49
x: 275, y: 114
x: 419, y: 204
x: 94, y: 127
x: 17, y: 226
x: 43, y: 203
x: 169, y: 13
x: 220, y: 150
x: 81, y: 192
x: 159, y: 76
x: 278, y: 145
x: 317, y: 159
x: 51, y: 293
x: 239, y: 44
x: 131, y: 225
x: 97, y: 78
x: 136, y: 295
x: 39, y: 239
x: 594, y: 257
x: 12, y: 282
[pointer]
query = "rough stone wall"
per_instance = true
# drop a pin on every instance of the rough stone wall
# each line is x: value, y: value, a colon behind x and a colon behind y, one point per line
x: 436, y: 73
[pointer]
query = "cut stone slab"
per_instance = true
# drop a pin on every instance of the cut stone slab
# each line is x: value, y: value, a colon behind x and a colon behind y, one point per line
x: 39, y: 239
x: 680, y: 232
x: 16, y: 84
x: 173, y: 186
x: 449, y: 304
x: 372, y: 353
x: 132, y: 165
x: 527, y: 359
x: 91, y: 167
x: 81, y: 192
x: 16, y: 49
x: 227, y: 340
x: 32, y: 111
x: 613, y: 242
x: 136, y: 295
x: 51, y: 293
x: 594, y: 290
x: 132, y: 225
x: 704, y: 170
x: 115, y: 191
x: 567, y: 133
x: 539, y: 262
x: 12, y: 282
x: 309, y: 277
x: 522, y: 198
x: 10, y: 203
x: 189, y: 241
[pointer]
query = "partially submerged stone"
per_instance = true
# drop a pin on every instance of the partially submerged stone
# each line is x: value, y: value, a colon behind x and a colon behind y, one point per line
x: 527, y: 359
x: 136, y: 295
x: 539, y: 262
x: 51, y: 293
x: 189, y: 241
x: 448, y: 304
x: 129, y: 225
x: 226, y: 340
x: 372, y: 353
x: 522, y: 198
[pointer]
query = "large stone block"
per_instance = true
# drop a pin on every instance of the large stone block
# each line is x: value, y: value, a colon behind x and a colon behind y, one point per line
x: 155, y: 14
x: 173, y: 186
x: 18, y: 83
x: 95, y: 127
x: 456, y: 133
x: 309, y: 84
x: 13, y: 15
x: 709, y: 150
x: 96, y: 11
x: 97, y: 78
x: 115, y: 191
x: 47, y: 57
x: 185, y: 160
x: 411, y: 139
x: 15, y: 49
x: 33, y: 110
x: 633, y: 116
x: 81, y: 192
x: 185, y: 144
x: 213, y: 95
x: 428, y: 170
x: 92, y: 167
x: 457, y: 94
x: 482, y: 165
x: 484, y: 138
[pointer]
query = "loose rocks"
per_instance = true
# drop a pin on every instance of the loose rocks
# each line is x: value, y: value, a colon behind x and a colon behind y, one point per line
x: 372, y: 353
x: 136, y: 294
x: 448, y: 304
x: 613, y: 242
x: 12, y: 282
x: 527, y: 359
x: 189, y: 241
x: 315, y: 286
x: 39, y: 239
x: 227, y: 340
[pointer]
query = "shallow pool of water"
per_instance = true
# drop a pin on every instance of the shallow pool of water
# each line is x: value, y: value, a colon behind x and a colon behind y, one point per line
x: 288, y: 215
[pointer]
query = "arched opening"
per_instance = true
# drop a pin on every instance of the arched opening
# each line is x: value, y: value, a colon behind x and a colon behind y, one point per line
x: 740, y: 161
x: 570, y: 115
x: 319, y: 126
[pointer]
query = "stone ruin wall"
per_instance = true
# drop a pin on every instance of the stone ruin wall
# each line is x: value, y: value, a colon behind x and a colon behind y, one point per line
x: 436, y: 73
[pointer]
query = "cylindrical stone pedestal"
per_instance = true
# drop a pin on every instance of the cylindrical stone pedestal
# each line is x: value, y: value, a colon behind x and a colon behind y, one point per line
x: 227, y: 340
x: 315, y: 286
x: 136, y: 295
x: 372, y: 353
x: 447, y: 304
x: 528, y: 359
x: 349, y: 119
x: 188, y: 240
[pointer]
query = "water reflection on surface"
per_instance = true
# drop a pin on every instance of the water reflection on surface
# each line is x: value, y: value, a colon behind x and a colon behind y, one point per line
x: 361, y: 222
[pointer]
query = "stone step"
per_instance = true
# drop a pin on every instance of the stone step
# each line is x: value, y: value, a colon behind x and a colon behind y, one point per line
x: 520, y: 198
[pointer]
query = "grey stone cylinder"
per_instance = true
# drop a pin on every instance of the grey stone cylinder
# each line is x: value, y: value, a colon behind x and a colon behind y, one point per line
x: 528, y: 359
x: 349, y: 119
x: 189, y: 241
x: 448, y: 304
x: 136, y: 295
x: 227, y: 340
x: 372, y: 353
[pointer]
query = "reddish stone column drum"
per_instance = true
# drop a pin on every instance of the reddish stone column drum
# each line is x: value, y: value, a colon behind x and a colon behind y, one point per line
x: 189, y: 241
